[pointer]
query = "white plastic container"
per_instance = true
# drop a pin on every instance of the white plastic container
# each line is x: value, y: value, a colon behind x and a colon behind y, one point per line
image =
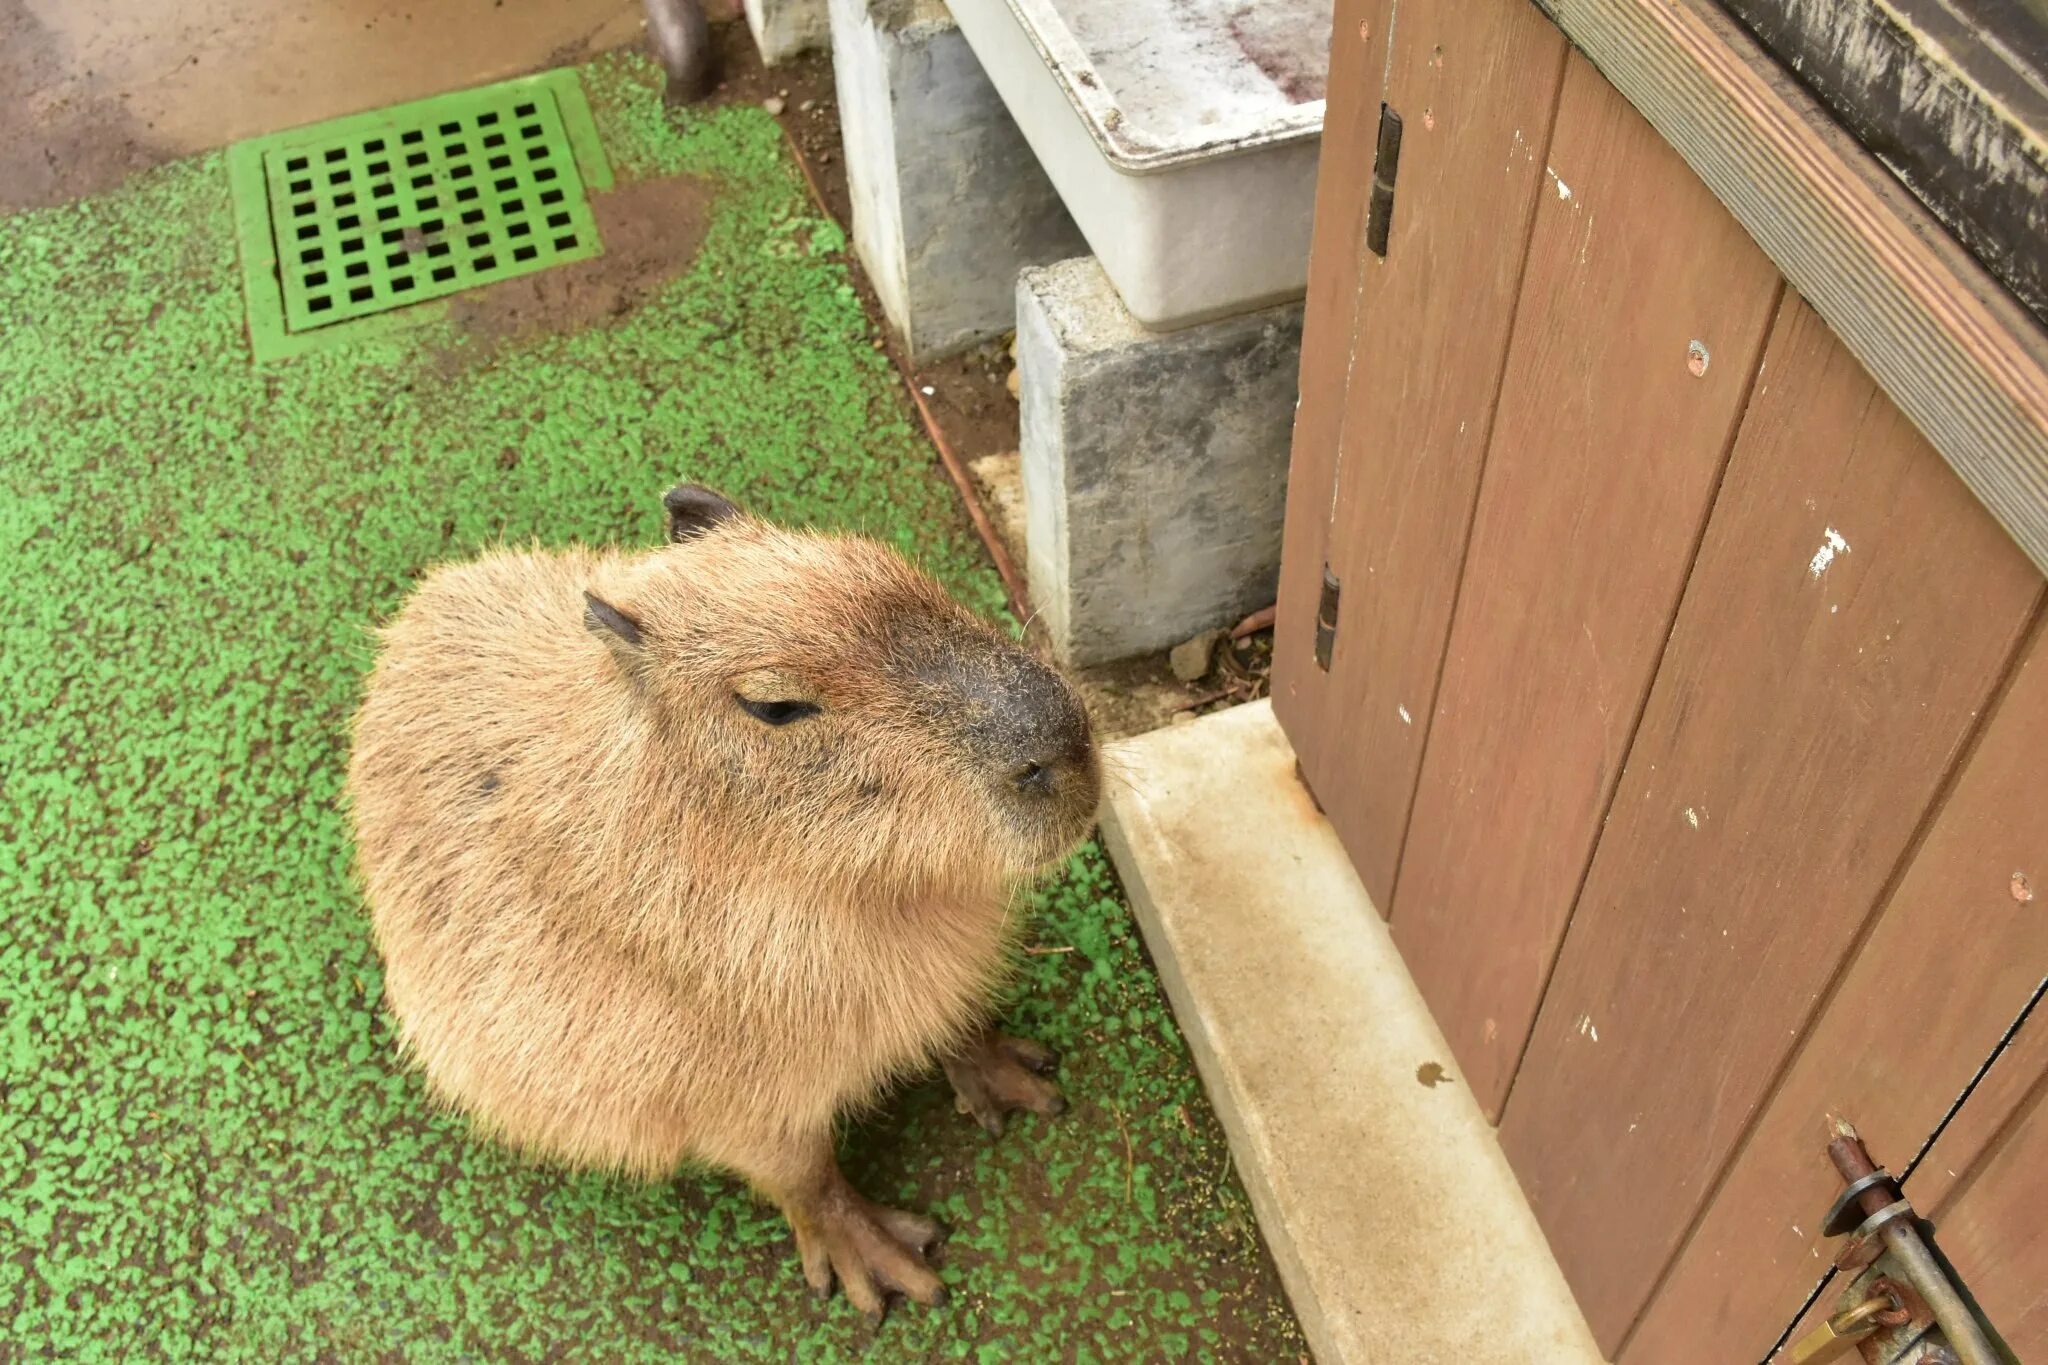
x: 1182, y: 135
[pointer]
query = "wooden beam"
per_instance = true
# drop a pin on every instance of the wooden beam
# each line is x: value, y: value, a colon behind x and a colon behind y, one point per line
x: 1953, y: 350
x: 1943, y: 100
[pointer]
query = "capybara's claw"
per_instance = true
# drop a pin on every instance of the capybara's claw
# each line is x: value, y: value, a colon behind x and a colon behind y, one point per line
x: 1034, y: 1055
x: 871, y: 1252
x: 995, y: 1075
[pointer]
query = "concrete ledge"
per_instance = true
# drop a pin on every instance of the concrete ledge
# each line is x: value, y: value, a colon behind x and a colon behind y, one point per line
x: 787, y: 28
x: 1398, y: 1228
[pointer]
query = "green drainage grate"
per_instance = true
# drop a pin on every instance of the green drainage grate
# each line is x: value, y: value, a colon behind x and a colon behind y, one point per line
x: 341, y: 223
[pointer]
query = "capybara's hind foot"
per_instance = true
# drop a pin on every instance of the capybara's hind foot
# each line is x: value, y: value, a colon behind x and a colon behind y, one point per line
x: 871, y: 1251
x: 995, y: 1075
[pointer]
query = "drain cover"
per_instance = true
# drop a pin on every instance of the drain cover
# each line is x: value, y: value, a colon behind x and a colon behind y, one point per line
x: 344, y: 222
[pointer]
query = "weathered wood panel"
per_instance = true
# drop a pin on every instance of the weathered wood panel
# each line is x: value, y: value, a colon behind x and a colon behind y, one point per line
x: 1476, y: 86
x: 1604, y: 460
x: 1993, y: 1224
x: 1952, y: 348
x: 1951, y: 962
x: 1358, y: 58
x: 2021, y: 1069
x: 1851, y: 613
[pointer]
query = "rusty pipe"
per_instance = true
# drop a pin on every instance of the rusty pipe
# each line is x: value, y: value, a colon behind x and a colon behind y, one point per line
x: 1902, y: 1238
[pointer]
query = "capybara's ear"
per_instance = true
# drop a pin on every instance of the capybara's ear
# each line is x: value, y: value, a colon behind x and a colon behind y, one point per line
x: 620, y: 632
x: 694, y: 509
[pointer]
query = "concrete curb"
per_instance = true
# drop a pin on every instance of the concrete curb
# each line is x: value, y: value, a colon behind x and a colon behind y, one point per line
x: 1398, y: 1228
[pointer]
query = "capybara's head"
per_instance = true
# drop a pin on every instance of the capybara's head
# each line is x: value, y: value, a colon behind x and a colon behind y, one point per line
x: 845, y: 707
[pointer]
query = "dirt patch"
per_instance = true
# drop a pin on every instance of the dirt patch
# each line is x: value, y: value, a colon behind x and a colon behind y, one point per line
x: 969, y: 400
x: 651, y: 229
x: 1141, y: 695
x: 57, y: 146
x: 969, y: 397
x: 739, y: 78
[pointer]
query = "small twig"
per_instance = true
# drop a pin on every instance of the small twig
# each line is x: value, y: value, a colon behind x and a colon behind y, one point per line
x: 1006, y: 568
x: 1130, y: 1157
x: 1044, y: 952
x: 1192, y: 702
x: 1216, y: 1181
x: 1262, y: 619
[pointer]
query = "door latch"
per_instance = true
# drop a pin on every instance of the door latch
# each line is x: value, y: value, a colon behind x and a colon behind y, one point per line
x: 1836, y: 1338
x: 1900, y: 1304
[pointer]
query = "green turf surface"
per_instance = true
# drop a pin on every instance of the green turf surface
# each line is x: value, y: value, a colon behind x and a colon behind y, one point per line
x: 206, y: 1150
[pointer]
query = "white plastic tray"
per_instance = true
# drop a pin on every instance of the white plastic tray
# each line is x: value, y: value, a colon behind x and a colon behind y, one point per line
x: 1182, y: 135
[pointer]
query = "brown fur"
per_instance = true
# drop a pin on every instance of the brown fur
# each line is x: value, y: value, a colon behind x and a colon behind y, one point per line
x: 626, y: 923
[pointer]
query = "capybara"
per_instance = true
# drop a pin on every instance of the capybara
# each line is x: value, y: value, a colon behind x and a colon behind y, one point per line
x: 678, y: 855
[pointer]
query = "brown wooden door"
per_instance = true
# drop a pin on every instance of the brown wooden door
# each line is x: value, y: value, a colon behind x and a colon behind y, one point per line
x: 1682, y: 711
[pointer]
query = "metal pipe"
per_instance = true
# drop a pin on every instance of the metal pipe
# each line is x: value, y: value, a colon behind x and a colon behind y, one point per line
x: 1916, y: 1263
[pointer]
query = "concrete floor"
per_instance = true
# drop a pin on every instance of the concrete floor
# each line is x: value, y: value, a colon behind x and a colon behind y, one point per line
x: 91, y: 90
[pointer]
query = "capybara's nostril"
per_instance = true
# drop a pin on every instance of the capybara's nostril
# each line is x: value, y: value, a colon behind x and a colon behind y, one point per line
x: 1034, y: 777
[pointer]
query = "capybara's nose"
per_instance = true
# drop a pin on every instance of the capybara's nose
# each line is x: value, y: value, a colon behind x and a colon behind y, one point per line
x: 1040, y: 773
x: 1020, y: 720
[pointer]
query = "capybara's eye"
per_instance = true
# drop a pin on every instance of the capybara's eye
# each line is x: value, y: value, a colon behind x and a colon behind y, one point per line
x: 776, y: 712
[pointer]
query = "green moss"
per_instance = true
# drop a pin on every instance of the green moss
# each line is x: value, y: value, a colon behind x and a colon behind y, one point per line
x: 208, y: 1151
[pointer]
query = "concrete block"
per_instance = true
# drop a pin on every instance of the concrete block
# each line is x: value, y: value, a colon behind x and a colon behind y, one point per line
x: 1155, y: 464
x: 948, y: 201
x: 1397, y: 1226
x: 786, y: 28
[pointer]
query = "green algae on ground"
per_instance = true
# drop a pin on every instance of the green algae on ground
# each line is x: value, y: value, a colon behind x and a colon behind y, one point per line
x: 207, y: 1151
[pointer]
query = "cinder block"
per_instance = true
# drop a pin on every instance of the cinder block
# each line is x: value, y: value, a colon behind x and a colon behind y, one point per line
x: 1155, y: 464
x: 948, y: 201
x: 785, y: 28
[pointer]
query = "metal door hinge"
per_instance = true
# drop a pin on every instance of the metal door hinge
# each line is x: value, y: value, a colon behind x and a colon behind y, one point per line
x: 1386, y: 164
x: 1326, y: 619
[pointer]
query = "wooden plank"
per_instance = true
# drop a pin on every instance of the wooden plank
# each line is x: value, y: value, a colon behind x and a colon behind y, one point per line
x: 1851, y: 613
x: 1953, y: 350
x: 1604, y: 460
x: 1358, y: 60
x: 1949, y: 965
x: 1476, y: 86
x: 2021, y: 1069
x: 1995, y: 1233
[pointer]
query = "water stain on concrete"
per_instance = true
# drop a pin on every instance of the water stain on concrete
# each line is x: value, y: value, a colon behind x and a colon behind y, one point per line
x: 57, y: 143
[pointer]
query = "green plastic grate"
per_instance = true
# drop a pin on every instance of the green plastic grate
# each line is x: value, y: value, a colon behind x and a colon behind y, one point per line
x: 359, y: 217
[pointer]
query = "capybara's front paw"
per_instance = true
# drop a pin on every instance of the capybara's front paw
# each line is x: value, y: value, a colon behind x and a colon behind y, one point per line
x: 871, y: 1251
x: 995, y: 1075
